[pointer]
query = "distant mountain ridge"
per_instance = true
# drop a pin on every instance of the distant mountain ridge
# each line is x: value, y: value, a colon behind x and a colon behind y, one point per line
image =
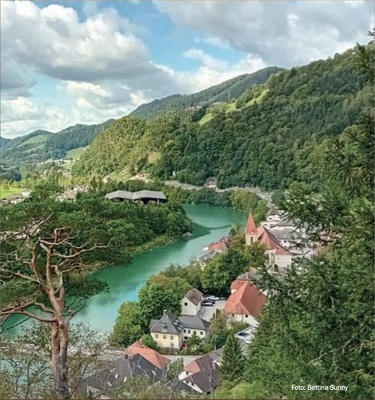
x: 42, y: 145
x: 223, y: 92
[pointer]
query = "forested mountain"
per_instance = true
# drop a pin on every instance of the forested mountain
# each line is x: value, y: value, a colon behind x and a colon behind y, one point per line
x: 270, y: 137
x: 3, y: 141
x: 42, y: 145
x: 224, y: 92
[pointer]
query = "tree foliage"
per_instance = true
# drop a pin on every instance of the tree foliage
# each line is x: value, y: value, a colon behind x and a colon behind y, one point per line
x: 273, y: 140
x: 233, y: 360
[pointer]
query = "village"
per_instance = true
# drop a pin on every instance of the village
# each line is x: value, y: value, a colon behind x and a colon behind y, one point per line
x: 282, y: 240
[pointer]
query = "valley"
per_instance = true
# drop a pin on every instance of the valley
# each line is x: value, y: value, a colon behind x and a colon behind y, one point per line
x: 131, y: 235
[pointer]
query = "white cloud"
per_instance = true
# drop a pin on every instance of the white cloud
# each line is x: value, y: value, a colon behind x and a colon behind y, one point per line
x: 281, y: 33
x: 52, y: 41
x: 21, y: 114
x: 214, y: 71
x: 100, y: 61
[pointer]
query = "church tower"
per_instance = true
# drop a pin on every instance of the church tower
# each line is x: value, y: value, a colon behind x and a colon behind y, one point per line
x: 251, y: 231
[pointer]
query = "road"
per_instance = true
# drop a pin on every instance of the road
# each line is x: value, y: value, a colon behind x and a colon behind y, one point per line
x: 267, y: 196
x: 106, y: 355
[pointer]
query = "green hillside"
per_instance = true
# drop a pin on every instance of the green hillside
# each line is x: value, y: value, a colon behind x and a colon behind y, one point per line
x: 269, y: 140
x: 224, y: 92
x: 43, y: 145
x: 75, y: 154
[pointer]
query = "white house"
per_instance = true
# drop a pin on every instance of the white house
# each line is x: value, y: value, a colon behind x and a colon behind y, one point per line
x: 194, y: 324
x: 191, y: 303
x: 245, y: 303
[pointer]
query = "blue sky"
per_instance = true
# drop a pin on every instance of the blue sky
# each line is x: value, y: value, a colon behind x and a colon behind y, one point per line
x: 84, y: 62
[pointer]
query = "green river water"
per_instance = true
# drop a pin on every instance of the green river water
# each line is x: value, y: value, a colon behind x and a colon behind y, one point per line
x: 209, y: 224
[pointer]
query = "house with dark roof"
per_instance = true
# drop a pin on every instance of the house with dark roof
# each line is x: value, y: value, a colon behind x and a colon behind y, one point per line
x: 245, y: 303
x: 167, y: 331
x: 202, y: 374
x: 142, y: 195
x: 191, y: 303
x: 137, y: 360
x: 278, y: 257
x: 194, y: 324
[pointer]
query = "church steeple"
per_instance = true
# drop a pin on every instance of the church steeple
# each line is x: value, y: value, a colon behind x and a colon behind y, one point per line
x: 251, y: 231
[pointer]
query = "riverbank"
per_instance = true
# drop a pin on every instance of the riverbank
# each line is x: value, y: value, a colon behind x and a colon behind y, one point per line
x: 209, y: 224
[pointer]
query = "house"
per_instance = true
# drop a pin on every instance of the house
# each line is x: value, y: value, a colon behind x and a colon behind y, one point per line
x: 143, y: 195
x: 191, y: 303
x: 278, y: 257
x: 202, y: 374
x: 194, y: 324
x: 137, y: 360
x: 14, y: 199
x: 148, y: 360
x: 167, y: 331
x: 215, y: 248
x: 273, y: 217
x: 211, y: 183
x: 245, y: 303
x: 219, y: 247
x: 205, y: 256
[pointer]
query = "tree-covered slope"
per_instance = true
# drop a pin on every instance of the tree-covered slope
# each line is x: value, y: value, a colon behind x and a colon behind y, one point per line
x: 42, y: 145
x: 269, y: 138
x: 224, y: 92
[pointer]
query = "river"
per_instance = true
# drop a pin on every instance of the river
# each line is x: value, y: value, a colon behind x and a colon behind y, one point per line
x: 209, y: 224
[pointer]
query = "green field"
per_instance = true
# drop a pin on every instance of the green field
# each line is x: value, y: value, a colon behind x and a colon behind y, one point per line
x: 36, y: 139
x: 258, y: 99
x: 231, y: 107
x: 8, y: 191
x: 76, y: 153
x: 205, y: 119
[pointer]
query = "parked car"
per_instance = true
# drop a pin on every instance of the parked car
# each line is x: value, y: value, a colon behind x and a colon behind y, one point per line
x: 208, y: 303
x: 213, y: 298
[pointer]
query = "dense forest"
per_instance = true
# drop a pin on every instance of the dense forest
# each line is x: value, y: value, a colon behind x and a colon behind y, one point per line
x: 318, y: 326
x: 224, y: 92
x: 124, y: 228
x: 42, y: 145
x: 272, y: 140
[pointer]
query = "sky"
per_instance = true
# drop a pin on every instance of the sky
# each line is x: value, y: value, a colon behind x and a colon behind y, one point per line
x: 70, y: 62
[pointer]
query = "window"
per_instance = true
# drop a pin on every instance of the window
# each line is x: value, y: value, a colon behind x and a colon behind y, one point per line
x: 164, y: 336
x: 185, y: 304
x: 156, y: 336
x: 246, y: 316
x: 184, y: 330
x: 185, y: 338
x: 172, y: 344
x: 232, y: 315
x: 172, y: 337
x: 201, y: 332
x: 189, y: 331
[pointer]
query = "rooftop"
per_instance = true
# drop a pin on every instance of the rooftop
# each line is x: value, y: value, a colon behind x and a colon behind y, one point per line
x: 149, y: 354
x: 168, y: 324
x: 141, y: 194
x: 195, y: 296
x: 247, y: 299
x: 194, y: 322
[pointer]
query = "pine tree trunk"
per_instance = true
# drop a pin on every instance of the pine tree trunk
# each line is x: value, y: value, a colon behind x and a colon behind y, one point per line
x: 59, y: 346
x: 59, y: 351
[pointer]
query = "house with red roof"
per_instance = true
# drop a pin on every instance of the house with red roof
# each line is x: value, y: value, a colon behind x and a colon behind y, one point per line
x: 203, y: 374
x: 245, y: 303
x: 278, y: 257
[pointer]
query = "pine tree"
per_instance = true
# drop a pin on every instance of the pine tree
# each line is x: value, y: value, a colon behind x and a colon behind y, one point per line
x: 233, y: 359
